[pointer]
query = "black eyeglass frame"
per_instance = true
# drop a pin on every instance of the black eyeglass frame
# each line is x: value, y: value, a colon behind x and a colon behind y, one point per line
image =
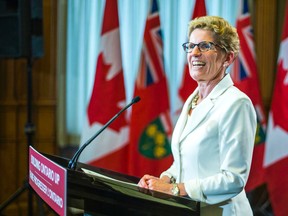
x: 185, y: 48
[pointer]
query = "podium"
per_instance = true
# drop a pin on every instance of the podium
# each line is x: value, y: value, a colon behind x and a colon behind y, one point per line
x: 98, y: 191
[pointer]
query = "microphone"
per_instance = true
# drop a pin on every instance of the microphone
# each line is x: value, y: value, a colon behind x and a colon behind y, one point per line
x: 73, y: 162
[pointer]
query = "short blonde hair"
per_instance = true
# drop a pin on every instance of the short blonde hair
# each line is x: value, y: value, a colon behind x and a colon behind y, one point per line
x: 225, y: 35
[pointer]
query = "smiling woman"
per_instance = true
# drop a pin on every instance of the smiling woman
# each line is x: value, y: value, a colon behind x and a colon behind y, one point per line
x: 211, y: 166
x: 208, y: 62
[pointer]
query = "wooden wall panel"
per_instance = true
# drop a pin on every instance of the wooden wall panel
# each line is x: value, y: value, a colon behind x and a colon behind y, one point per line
x: 13, y: 112
x: 7, y: 84
x: 8, y: 131
x: 264, y: 20
x: 8, y: 180
x: 267, y: 18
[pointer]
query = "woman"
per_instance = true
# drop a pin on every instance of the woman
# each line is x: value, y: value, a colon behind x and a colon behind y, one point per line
x: 213, y: 140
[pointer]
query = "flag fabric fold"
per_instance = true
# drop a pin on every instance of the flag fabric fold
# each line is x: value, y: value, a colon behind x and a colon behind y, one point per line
x: 244, y: 73
x: 151, y: 126
x: 276, y: 151
x: 109, y: 149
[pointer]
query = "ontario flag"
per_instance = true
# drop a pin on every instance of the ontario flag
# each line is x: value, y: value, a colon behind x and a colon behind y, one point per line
x: 276, y: 151
x: 188, y: 85
x: 245, y: 76
x: 151, y: 126
x: 108, y: 150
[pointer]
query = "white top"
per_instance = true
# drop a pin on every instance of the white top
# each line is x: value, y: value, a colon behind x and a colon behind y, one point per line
x: 213, y: 149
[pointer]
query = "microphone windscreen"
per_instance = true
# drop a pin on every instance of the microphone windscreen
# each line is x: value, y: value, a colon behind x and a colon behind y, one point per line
x: 136, y: 99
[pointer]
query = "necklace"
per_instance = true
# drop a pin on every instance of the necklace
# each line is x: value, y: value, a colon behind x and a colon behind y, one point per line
x: 194, y: 101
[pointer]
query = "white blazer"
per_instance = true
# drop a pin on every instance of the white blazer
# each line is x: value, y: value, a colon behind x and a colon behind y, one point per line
x: 213, y: 149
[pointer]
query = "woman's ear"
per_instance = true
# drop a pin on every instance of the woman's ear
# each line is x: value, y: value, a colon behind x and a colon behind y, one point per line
x: 229, y: 59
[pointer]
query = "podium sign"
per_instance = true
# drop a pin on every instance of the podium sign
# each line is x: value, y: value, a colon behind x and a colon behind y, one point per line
x: 49, y: 180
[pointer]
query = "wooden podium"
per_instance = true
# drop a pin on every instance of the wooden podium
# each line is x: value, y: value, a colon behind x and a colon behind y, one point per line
x: 97, y: 191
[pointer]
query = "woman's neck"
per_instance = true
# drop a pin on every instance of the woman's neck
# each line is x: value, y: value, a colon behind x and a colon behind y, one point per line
x: 206, y: 87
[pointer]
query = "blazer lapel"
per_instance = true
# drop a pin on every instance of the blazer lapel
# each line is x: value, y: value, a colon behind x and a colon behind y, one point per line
x: 198, y: 114
x: 201, y: 111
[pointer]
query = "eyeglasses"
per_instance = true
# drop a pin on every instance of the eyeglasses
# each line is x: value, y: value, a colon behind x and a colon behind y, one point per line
x: 203, y: 46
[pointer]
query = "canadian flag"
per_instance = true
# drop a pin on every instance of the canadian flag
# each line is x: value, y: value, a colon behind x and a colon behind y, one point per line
x: 276, y: 151
x: 107, y: 99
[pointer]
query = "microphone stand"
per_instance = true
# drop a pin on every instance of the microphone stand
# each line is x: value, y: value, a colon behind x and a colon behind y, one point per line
x: 73, y: 162
x: 29, y: 131
x: 29, y: 128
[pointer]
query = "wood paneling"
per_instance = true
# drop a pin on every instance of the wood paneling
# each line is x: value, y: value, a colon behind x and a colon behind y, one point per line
x: 267, y: 19
x: 13, y: 112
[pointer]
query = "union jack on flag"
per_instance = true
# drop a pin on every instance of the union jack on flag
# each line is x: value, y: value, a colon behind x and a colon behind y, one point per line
x: 245, y: 64
x: 151, y: 68
x: 245, y: 76
x: 151, y: 125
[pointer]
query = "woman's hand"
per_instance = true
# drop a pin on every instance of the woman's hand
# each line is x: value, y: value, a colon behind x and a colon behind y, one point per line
x: 144, y: 181
x: 155, y: 183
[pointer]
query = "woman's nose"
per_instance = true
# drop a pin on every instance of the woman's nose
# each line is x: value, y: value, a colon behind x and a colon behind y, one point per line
x: 196, y: 51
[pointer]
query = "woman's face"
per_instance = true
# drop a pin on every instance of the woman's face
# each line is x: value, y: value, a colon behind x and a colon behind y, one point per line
x: 205, y: 66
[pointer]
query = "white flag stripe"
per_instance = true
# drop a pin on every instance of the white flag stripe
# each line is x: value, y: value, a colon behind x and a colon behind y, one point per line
x: 111, y: 50
x: 276, y: 143
x: 100, y: 147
